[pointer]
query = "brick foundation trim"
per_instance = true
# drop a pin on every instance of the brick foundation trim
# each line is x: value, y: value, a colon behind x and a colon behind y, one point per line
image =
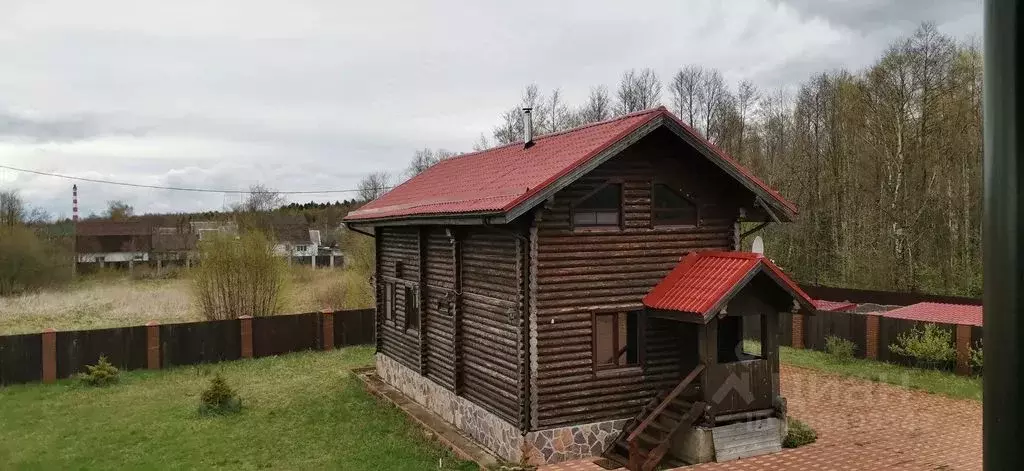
x: 963, y: 349
x: 871, y: 333
x: 152, y: 345
x: 49, y: 356
x: 246, y: 333
x: 798, y: 331
x: 328, y: 329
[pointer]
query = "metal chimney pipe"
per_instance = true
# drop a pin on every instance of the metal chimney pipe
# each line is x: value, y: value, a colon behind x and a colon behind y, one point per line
x: 527, y: 127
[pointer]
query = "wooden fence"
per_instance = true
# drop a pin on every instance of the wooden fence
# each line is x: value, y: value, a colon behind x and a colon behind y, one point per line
x: 872, y: 334
x: 49, y: 355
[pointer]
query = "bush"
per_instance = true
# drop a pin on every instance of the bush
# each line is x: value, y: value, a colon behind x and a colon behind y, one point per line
x: 239, y: 277
x: 841, y: 349
x: 978, y: 357
x: 101, y: 374
x: 800, y: 434
x: 27, y: 262
x: 929, y: 346
x: 219, y: 398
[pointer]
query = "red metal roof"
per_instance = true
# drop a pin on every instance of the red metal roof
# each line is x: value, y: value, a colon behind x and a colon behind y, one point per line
x: 939, y: 312
x: 496, y: 180
x: 704, y: 281
x: 835, y: 306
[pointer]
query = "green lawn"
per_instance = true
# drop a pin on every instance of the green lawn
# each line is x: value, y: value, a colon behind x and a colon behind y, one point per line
x: 933, y: 381
x: 300, y: 411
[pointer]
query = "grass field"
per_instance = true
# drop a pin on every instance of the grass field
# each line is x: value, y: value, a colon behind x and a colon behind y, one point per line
x: 300, y: 411
x: 114, y: 299
x: 932, y: 381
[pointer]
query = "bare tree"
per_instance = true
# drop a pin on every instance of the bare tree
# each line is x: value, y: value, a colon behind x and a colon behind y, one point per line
x: 510, y: 129
x: 711, y: 94
x: 481, y: 143
x: 262, y: 199
x: 598, y: 106
x: 373, y: 186
x: 638, y: 91
x: 119, y: 210
x: 426, y: 158
x: 12, y: 208
x: 685, y: 91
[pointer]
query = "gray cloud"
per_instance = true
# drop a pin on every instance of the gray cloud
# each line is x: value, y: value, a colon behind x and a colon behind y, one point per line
x: 312, y: 94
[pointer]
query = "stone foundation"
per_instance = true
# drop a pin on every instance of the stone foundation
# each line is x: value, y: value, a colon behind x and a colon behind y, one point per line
x: 500, y: 437
x: 570, y: 443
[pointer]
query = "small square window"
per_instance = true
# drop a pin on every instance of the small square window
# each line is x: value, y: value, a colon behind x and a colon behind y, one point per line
x: 399, y: 268
x: 603, y: 208
x: 616, y: 339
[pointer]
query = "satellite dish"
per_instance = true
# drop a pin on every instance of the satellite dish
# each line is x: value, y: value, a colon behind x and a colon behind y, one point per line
x: 758, y: 245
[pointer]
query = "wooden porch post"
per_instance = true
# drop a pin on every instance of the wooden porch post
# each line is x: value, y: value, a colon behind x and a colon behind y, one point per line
x: 708, y: 356
x: 770, y: 347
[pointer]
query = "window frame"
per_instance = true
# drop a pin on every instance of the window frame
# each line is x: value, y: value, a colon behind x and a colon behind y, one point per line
x: 640, y: 341
x: 412, y: 304
x: 574, y: 208
x: 679, y: 193
x: 389, y: 301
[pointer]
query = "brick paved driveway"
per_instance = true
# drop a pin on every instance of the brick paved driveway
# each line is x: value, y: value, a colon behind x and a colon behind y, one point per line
x: 864, y: 425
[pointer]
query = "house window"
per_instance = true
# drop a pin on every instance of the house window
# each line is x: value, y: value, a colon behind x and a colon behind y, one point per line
x: 399, y: 268
x: 412, y: 309
x: 602, y: 208
x: 389, y: 301
x: 616, y: 339
x: 300, y: 248
x: 669, y: 207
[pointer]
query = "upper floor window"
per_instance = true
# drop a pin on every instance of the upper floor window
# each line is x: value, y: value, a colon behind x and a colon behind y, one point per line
x: 602, y: 208
x: 389, y: 301
x: 616, y: 339
x: 669, y: 207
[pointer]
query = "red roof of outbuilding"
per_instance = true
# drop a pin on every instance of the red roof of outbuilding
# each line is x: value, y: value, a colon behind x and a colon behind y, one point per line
x: 497, y: 180
x: 704, y: 281
x: 834, y: 306
x: 938, y: 312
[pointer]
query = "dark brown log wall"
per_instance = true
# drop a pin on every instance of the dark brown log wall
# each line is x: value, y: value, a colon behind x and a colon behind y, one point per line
x: 398, y: 244
x: 439, y: 320
x: 579, y: 273
x: 476, y: 349
x: 493, y: 353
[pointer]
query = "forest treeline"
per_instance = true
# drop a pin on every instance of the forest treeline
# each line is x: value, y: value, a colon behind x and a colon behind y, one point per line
x: 884, y: 162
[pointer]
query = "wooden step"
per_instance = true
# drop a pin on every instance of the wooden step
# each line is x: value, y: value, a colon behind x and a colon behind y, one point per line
x: 746, y: 439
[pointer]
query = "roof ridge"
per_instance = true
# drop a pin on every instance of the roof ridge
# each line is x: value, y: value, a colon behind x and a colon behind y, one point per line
x: 564, y: 131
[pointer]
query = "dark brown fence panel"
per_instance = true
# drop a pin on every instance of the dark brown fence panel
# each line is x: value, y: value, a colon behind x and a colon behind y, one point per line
x: 861, y: 296
x: 353, y: 327
x: 818, y: 327
x: 274, y: 335
x: 976, y: 336
x: 21, y: 358
x: 200, y: 342
x: 124, y: 347
x: 859, y: 333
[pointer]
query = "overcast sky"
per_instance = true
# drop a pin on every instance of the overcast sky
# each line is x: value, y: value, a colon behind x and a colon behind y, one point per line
x: 312, y: 94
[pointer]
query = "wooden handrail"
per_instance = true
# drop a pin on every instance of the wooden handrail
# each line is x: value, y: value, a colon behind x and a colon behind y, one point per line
x: 664, y: 404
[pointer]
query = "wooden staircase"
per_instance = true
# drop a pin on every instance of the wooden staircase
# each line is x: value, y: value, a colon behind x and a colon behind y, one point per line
x: 646, y: 439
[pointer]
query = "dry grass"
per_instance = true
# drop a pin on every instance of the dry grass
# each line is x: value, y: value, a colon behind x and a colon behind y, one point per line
x: 117, y: 300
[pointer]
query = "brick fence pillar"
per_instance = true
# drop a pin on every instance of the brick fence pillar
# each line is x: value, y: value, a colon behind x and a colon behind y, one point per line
x: 963, y: 349
x: 798, y: 330
x: 328, y: 329
x: 871, y: 336
x: 49, y: 356
x: 246, y: 328
x: 153, y: 345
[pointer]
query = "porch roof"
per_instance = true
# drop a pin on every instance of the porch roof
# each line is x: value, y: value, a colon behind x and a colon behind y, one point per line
x: 704, y: 282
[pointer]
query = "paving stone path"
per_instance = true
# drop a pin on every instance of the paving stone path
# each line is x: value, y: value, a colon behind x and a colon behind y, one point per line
x: 864, y: 425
